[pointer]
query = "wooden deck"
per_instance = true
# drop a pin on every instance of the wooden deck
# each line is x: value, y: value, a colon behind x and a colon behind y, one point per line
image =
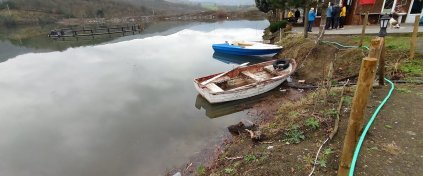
x: 97, y: 31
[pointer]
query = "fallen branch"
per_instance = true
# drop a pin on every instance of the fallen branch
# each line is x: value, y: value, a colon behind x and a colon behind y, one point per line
x: 269, y: 142
x: 188, y: 166
x: 254, y: 135
x: 245, y: 173
x: 347, y: 78
x: 408, y: 81
x: 234, y: 158
x: 335, y: 128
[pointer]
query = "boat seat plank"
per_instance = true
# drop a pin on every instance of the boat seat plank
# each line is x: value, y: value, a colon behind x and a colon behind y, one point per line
x: 253, y: 76
x: 214, y: 88
x: 222, y: 79
x: 269, y: 69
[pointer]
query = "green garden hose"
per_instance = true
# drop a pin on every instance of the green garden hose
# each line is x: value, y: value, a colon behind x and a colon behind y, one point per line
x: 363, y: 135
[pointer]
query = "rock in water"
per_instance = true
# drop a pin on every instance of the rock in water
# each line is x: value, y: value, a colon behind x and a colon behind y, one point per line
x: 237, y: 129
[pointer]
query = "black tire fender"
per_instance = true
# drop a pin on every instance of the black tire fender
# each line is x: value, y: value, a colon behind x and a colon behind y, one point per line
x: 281, y: 64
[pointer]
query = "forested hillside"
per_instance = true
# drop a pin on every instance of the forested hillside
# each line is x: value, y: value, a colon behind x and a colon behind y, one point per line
x: 80, y: 8
x: 165, y: 7
x: 46, y: 11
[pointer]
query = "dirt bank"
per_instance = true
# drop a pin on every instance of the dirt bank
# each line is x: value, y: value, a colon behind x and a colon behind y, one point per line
x: 294, y: 129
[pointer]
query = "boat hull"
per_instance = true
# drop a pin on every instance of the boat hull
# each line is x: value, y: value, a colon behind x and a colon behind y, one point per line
x: 239, y: 94
x: 244, y: 51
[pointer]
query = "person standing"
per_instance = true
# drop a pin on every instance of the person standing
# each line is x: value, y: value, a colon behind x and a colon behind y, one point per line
x: 335, y: 15
x: 329, y: 17
x: 311, y: 17
x: 291, y: 16
x: 342, y: 16
x: 297, y: 15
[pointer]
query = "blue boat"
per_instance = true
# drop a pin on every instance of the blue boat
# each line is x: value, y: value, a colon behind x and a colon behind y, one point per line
x: 246, y: 48
x: 238, y: 59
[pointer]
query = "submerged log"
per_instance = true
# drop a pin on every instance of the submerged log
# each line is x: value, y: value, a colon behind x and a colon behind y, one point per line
x: 240, y: 128
x: 247, y: 128
x: 256, y: 136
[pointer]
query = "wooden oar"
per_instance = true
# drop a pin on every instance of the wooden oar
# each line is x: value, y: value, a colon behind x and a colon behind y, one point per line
x: 220, y: 75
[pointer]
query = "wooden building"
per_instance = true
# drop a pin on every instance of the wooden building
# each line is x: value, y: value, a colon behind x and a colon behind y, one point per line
x: 405, y: 9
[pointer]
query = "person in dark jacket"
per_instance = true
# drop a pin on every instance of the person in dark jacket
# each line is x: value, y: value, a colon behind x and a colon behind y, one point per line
x: 335, y: 15
x: 329, y: 16
x: 297, y: 15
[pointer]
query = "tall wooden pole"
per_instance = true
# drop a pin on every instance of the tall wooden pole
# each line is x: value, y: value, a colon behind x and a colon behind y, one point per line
x: 356, y: 120
x: 382, y: 63
x: 363, y: 30
x: 305, y: 20
x: 414, y: 37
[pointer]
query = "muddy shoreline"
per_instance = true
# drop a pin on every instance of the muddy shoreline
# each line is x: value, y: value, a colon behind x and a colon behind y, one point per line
x: 281, y: 117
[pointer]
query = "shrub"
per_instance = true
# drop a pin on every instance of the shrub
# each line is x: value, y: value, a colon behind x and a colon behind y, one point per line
x: 250, y: 157
x: 201, y: 170
x: 294, y: 135
x: 11, y: 5
x: 275, y: 26
x: 7, y: 21
x: 313, y: 123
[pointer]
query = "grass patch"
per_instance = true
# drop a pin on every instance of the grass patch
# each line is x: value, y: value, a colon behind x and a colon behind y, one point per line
x: 413, y: 67
x: 201, y: 170
x: 294, y: 135
x: 250, y: 158
x: 312, y: 123
x: 404, y: 90
x: 331, y: 112
x: 347, y: 100
x: 391, y: 42
x: 322, y: 161
x: 229, y: 170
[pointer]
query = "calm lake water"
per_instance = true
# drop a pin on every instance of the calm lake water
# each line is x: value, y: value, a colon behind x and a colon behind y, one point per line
x: 122, y: 108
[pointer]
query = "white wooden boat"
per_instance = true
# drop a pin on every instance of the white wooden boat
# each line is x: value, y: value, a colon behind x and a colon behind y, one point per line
x: 244, y: 81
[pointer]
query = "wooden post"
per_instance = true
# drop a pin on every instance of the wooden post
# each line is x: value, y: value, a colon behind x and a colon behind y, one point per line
x: 76, y: 35
x: 382, y: 63
x: 123, y: 31
x: 375, y: 48
x: 356, y: 120
x: 281, y: 13
x: 280, y: 35
x: 92, y: 33
x: 414, y: 37
x: 363, y: 30
x: 305, y: 20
